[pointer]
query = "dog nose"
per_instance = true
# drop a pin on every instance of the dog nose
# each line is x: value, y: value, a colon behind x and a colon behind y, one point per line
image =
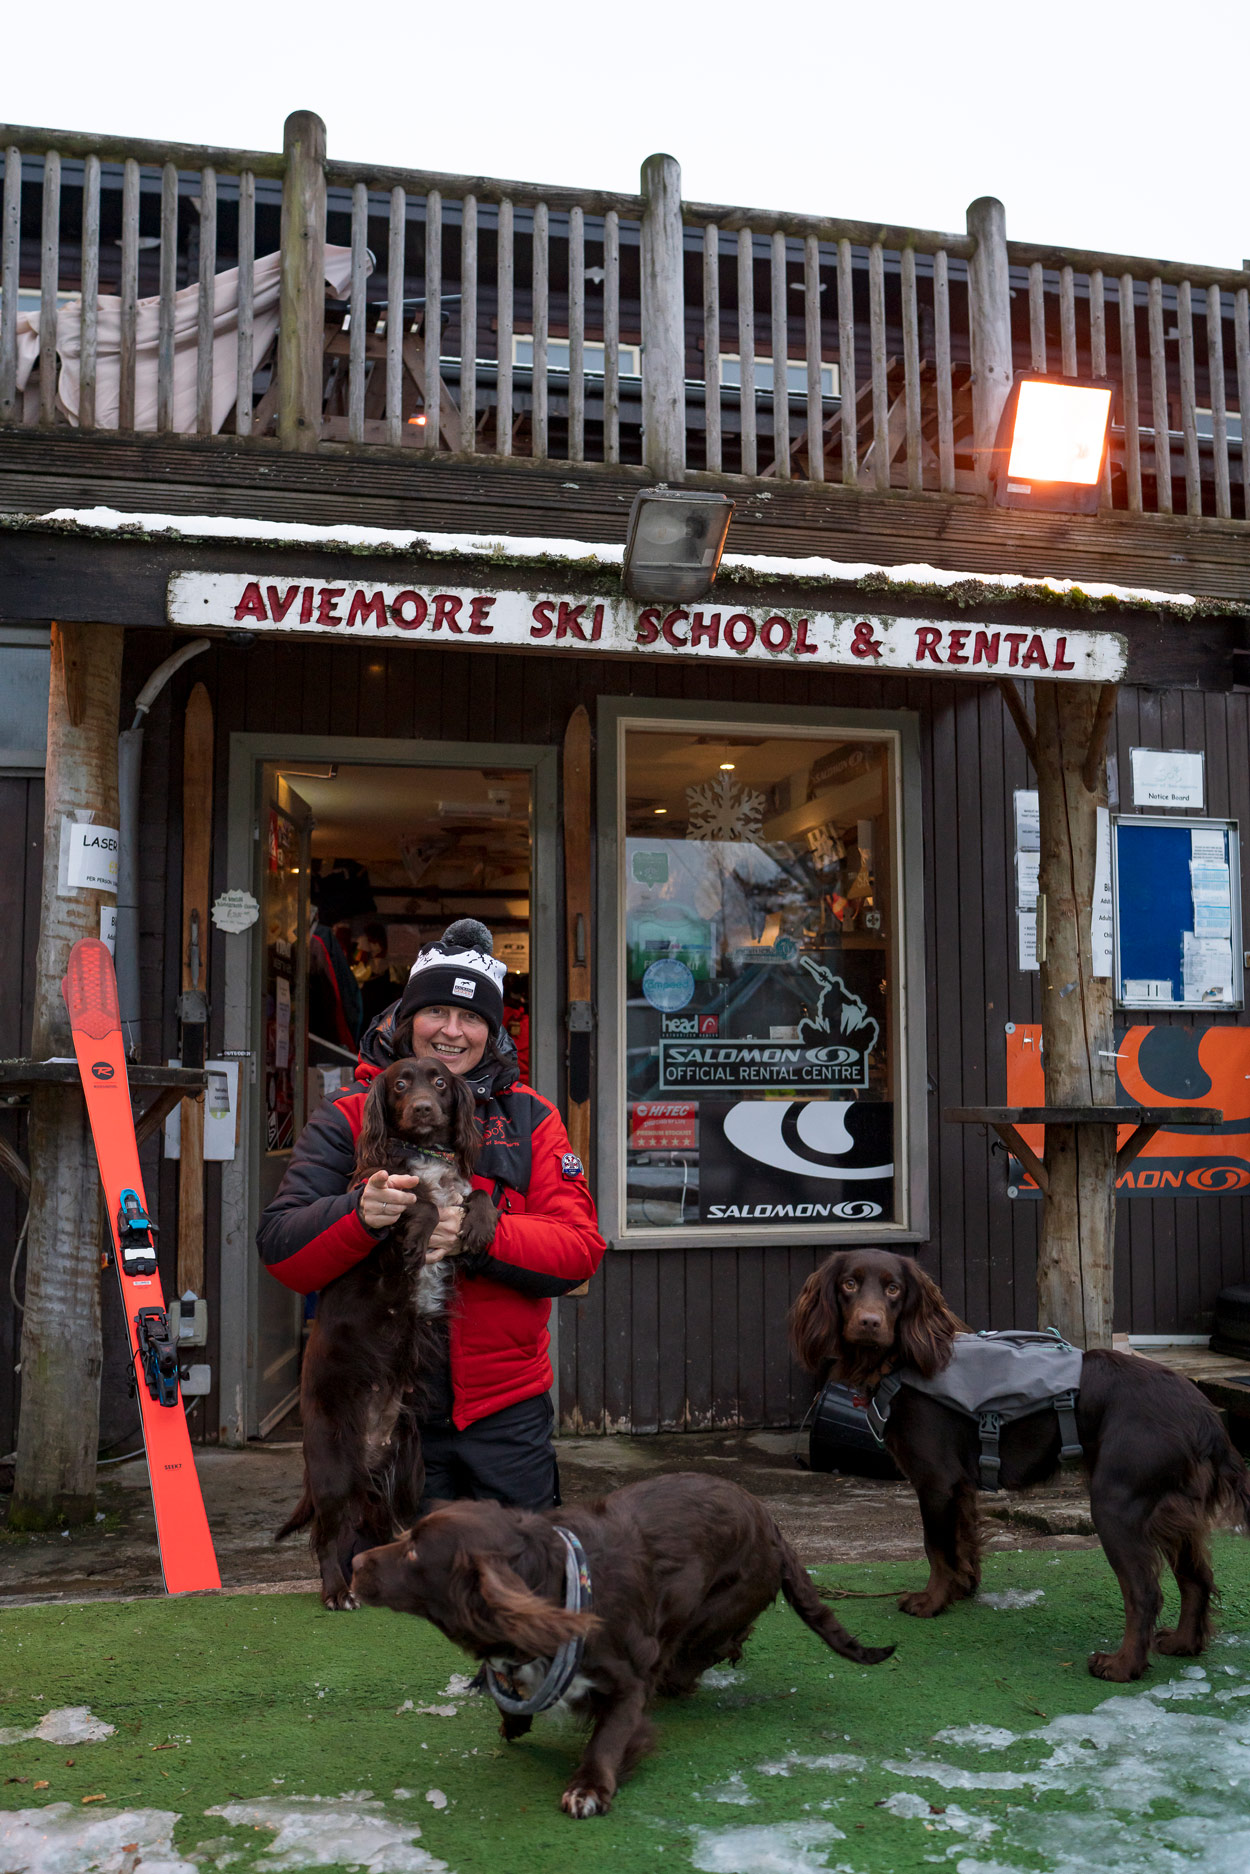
x: 870, y: 1320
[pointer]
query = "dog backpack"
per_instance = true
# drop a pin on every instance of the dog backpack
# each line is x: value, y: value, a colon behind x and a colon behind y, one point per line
x: 995, y: 1378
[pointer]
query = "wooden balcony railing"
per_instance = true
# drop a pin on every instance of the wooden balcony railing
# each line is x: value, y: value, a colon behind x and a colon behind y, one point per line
x: 158, y: 287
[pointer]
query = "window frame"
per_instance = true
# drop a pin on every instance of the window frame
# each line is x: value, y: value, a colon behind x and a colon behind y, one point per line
x: 616, y: 717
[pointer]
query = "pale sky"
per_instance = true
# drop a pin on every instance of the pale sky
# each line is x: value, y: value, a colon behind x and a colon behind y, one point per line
x: 1111, y: 124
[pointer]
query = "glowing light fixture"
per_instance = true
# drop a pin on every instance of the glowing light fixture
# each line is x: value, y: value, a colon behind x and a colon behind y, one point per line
x: 1052, y: 442
x: 675, y: 543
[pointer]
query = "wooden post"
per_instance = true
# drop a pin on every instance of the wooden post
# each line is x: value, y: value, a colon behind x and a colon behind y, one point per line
x: 301, y: 313
x: 1075, y: 1254
x: 197, y: 818
x: 989, y: 317
x: 663, y: 321
x: 577, y: 930
x: 60, y: 1363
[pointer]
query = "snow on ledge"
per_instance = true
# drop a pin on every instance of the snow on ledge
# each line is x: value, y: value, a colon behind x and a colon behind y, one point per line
x: 597, y: 555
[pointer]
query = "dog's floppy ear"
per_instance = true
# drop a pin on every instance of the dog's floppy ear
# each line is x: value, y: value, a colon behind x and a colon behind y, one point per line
x: 521, y: 1618
x: 926, y: 1327
x: 371, y: 1145
x: 466, y: 1134
x: 816, y: 1318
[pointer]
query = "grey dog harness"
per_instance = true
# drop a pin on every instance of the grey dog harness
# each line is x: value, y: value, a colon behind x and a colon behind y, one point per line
x: 563, y: 1667
x: 995, y: 1378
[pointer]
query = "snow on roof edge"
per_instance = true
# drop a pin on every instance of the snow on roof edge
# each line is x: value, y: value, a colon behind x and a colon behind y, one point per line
x: 607, y: 554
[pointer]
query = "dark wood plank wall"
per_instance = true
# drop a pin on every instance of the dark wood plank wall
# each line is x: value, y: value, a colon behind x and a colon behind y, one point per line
x: 696, y: 1338
x: 21, y: 860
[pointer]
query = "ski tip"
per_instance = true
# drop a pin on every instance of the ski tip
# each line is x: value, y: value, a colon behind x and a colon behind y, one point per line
x: 90, y: 989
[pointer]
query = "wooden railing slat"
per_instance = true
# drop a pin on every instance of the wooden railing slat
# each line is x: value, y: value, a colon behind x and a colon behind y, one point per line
x: 90, y: 277
x: 611, y: 337
x: 779, y: 323
x: 358, y: 316
x: 1241, y: 330
x: 505, y: 276
x: 541, y: 290
x: 128, y: 311
x: 207, y: 304
x: 945, y: 397
x: 1037, y: 317
x: 1189, y: 418
x: 577, y: 336
x: 1219, y: 408
x: 880, y: 385
x: 10, y: 275
x: 49, y: 280
x: 846, y: 365
x: 911, y: 371
x: 433, y: 322
x: 1067, y: 321
x: 468, y: 324
x: 1128, y: 391
x: 1098, y: 362
x: 396, y: 253
x: 167, y: 288
x: 1160, y: 416
x: 245, y: 352
x: 711, y: 346
x: 746, y: 349
x: 815, y: 360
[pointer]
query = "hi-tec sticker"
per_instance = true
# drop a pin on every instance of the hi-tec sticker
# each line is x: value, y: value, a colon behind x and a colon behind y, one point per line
x: 464, y: 986
x: 571, y: 1165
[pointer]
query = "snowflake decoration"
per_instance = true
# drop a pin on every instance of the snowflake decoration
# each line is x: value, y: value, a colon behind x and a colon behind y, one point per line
x: 720, y: 809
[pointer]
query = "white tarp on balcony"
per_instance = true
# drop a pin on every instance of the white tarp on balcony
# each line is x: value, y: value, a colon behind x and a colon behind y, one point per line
x: 266, y: 280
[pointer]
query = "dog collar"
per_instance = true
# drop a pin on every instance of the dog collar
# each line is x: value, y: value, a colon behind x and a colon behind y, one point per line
x: 561, y: 1670
x: 435, y: 1151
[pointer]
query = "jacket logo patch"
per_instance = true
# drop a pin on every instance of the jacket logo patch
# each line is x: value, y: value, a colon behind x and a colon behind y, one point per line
x: 571, y: 1165
x: 464, y: 986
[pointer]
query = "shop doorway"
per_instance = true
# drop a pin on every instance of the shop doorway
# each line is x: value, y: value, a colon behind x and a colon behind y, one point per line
x: 359, y: 863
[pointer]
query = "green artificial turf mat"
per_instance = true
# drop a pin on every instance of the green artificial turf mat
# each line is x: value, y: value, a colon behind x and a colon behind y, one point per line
x: 270, y: 1699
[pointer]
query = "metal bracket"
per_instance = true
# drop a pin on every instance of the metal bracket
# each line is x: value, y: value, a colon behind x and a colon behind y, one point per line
x: 581, y: 1018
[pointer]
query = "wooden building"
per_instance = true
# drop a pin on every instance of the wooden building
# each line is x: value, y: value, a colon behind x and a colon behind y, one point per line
x: 808, y: 926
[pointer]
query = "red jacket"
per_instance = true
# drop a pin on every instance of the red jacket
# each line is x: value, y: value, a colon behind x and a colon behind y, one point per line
x: 547, y: 1241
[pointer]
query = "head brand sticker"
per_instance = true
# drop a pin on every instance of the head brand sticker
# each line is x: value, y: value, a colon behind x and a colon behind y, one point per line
x: 464, y: 986
x: 571, y: 1165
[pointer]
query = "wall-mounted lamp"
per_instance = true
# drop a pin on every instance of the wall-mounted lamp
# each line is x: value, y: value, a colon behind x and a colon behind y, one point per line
x: 675, y: 543
x: 1051, y: 443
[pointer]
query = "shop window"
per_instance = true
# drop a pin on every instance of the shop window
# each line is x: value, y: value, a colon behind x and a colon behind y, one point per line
x: 24, y: 667
x: 760, y: 1002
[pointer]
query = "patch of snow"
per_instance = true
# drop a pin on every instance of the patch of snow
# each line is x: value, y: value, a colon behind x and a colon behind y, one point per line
x: 765, y: 1848
x: 343, y: 1831
x: 401, y: 1794
x: 949, y: 1818
x: 459, y: 1684
x: 437, y: 1711
x: 1012, y: 1597
x: 980, y: 1736
x: 733, y: 1789
x: 62, y: 1838
x: 786, y: 1766
x: 68, y: 1724
x: 717, y: 1677
x: 436, y: 1798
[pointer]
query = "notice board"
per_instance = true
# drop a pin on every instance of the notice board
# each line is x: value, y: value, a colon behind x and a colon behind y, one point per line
x: 1177, y: 891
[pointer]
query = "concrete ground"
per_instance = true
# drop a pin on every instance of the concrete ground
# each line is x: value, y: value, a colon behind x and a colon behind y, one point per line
x: 249, y: 1492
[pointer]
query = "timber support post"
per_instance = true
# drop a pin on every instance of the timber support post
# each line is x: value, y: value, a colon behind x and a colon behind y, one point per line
x: 60, y: 1360
x: 302, y: 294
x: 663, y: 321
x: 989, y: 317
x: 1076, y: 1250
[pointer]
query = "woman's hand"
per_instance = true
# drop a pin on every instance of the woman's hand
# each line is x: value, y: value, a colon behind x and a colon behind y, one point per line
x: 445, y: 1236
x: 384, y: 1198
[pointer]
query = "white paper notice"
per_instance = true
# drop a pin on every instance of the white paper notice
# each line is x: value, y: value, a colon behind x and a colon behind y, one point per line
x: 1028, y: 821
x: 1137, y: 989
x: 1168, y: 777
x: 1208, y: 884
x: 108, y: 927
x: 235, y: 911
x: 92, y: 862
x: 282, y: 1022
x: 221, y: 1112
x: 1101, y: 916
x: 1206, y: 846
x: 1207, y: 969
x: 1213, y: 920
x: 1027, y: 864
x: 1026, y: 922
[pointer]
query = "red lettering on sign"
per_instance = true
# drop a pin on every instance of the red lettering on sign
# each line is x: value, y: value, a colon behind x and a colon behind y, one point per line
x: 478, y: 609
x: 709, y: 633
x: 985, y: 648
x: 305, y: 606
x: 1060, y: 661
x: 776, y: 633
x: 569, y: 621
x: 1015, y: 639
x: 362, y: 608
x: 803, y: 646
x: 279, y: 607
x: 544, y: 624
x: 251, y: 605
x: 326, y: 614
x: 446, y: 612
x: 955, y: 647
x: 928, y: 637
x: 596, y: 630
x: 740, y: 632
x: 1035, y: 654
x: 647, y: 630
x: 669, y: 628
x: 419, y: 609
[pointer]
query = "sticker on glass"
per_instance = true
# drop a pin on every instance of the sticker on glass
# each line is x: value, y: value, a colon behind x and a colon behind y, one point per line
x: 668, y: 984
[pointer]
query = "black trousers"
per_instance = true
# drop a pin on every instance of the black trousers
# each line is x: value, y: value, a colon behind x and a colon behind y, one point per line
x: 508, y: 1457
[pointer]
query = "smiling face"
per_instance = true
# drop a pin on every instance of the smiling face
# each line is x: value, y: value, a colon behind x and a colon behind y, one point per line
x: 454, y: 1037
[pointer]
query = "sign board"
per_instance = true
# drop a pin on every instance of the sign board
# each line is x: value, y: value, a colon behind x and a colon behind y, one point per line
x: 462, y: 617
x: 91, y: 863
x: 1177, y: 913
x: 1157, y: 1067
x: 1168, y: 777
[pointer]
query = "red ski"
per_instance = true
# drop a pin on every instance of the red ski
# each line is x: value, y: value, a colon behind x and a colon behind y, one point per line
x: 188, y: 1561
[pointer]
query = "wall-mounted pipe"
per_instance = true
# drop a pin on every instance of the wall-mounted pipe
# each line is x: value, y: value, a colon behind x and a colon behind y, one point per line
x: 129, y: 766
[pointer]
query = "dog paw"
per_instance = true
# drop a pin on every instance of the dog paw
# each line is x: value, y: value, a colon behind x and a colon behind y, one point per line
x: 1172, y: 1640
x: 582, y: 1799
x: 1115, y: 1667
x: 922, y: 1605
x: 344, y: 1602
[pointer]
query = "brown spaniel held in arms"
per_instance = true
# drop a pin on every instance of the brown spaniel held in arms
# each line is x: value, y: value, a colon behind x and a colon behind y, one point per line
x: 374, y: 1328
x: 680, y: 1568
x: 1161, y: 1468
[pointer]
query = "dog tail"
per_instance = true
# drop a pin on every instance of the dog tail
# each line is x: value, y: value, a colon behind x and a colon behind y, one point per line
x: 800, y: 1591
x: 300, y: 1516
x: 1232, y: 1485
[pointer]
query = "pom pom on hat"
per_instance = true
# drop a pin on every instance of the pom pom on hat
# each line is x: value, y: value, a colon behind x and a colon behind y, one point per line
x: 458, y: 970
x: 467, y: 933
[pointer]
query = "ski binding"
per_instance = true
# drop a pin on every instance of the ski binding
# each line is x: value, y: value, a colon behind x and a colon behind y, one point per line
x: 135, y: 1231
x: 158, y: 1354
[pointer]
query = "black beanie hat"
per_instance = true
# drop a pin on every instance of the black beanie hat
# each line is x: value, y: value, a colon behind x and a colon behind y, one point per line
x: 460, y: 970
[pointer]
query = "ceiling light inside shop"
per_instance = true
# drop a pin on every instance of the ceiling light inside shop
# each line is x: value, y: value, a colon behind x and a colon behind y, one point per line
x: 674, y: 544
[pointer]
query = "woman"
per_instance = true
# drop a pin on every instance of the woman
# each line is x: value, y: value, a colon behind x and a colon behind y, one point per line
x: 487, y: 1430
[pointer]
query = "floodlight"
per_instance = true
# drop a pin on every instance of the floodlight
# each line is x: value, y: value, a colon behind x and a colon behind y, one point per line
x: 1051, y: 443
x: 675, y: 541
